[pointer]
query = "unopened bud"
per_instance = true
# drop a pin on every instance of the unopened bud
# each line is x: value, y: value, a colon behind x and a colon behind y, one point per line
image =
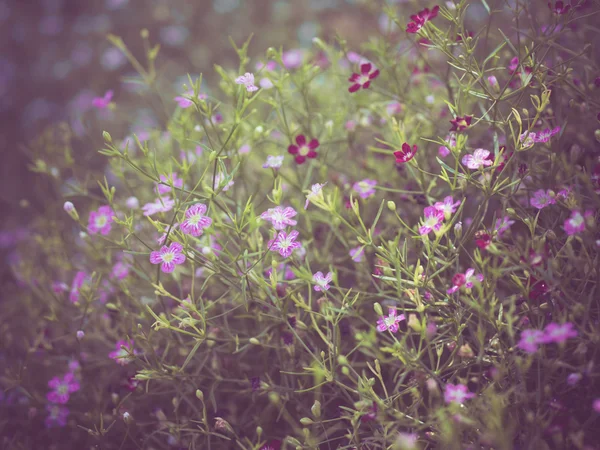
x: 391, y: 205
x: 70, y: 209
x: 316, y: 409
x: 127, y: 418
x: 378, y: 309
x: 254, y: 341
x: 306, y: 421
x: 199, y: 395
x: 80, y: 334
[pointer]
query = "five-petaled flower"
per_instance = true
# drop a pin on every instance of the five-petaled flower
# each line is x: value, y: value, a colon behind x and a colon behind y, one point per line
x: 479, y: 158
x: 273, y: 162
x: 457, y: 393
x: 390, y: 322
x: 559, y: 7
x: 544, y: 135
x: 100, y: 221
x: 503, y: 224
x: 433, y: 220
x: 363, y: 79
x: 576, y: 222
x: 406, y: 153
x: 461, y: 123
x: 280, y: 217
x: 248, y: 81
x: 102, y: 102
x: 448, y: 206
x: 542, y: 198
x: 553, y: 332
x: 530, y: 340
x: 322, y: 281
x: 421, y: 18
x: 303, y: 150
x: 123, y: 353
x: 284, y: 243
x: 467, y: 280
x: 57, y: 416
x: 62, y: 388
x: 168, y: 257
x: 195, y: 220
x: 365, y: 188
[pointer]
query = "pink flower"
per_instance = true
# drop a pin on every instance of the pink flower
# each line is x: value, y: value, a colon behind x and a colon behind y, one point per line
x: 545, y: 135
x: 62, y: 388
x: 528, y: 138
x: 315, y: 192
x: 159, y: 205
x: 100, y: 221
x: 390, y: 322
x: 406, y: 153
x: 558, y: 333
x: 221, y: 179
x: 102, y: 102
x: 120, y: 270
x: 576, y: 222
x: 530, y: 340
x: 123, y: 353
x: 596, y: 405
x: 273, y: 162
x: 477, y: 159
x: 461, y: 123
x: 164, y: 188
x: 284, y: 243
x: 280, y: 217
x: 195, y: 220
x: 451, y: 142
x: 541, y: 199
x: 421, y: 18
x: 433, y: 220
x: 247, y: 80
x: 365, y: 188
x: 292, y: 59
x: 186, y: 102
x: 467, y: 280
x: 448, y: 206
x: 457, y: 393
x: 57, y: 416
x: 168, y: 257
x: 363, y: 80
x: 303, y: 150
x: 357, y: 254
x: 80, y: 278
x: 322, y: 281
x: 503, y: 224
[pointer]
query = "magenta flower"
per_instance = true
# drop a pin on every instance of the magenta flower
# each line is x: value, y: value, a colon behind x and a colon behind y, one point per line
x: 444, y: 150
x: 62, y: 388
x: 433, y: 220
x: 448, y: 206
x: 100, y: 221
x: 248, y: 81
x: 406, y: 153
x: 421, y: 18
x: 365, y: 188
x: 284, y: 243
x: 545, y: 135
x: 576, y: 222
x: 322, y: 282
x: 457, y: 393
x: 461, y: 123
x: 195, y: 220
x: 596, y: 405
x: 186, y: 102
x: 292, y: 59
x: 57, y: 416
x: 541, y: 199
x: 559, y: 7
x: 164, y: 188
x: 273, y: 162
x: 468, y: 279
x: 123, y: 353
x: 390, y: 322
x: 168, y: 257
x: 363, y: 80
x: 558, y: 333
x: 120, y: 270
x: 357, y: 254
x: 159, y: 205
x: 503, y: 224
x: 303, y: 150
x: 478, y: 159
x: 530, y: 340
x: 280, y: 217
x: 102, y: 102
x: 315, y: 192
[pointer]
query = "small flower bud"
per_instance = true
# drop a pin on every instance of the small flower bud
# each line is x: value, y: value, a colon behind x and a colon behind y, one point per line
x: 345, y: 370
x: 254, y: 341
x: 316, y: 409
x: 391, y: 205
x: 107, y: 137
x: 127, y: 418
x: 70, y: 209
x: 378, y: 309
x: 80, y: 334
x: 342, y: 360
x: 199, y: 395
x: 306, y: 421
x: 458, y: 229
x: 132, y: 203
x: 493, y: 81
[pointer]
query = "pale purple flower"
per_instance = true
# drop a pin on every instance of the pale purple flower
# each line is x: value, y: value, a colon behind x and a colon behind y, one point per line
x: 248, y: 81
x: 57, y: 416
x: 503, y: 224
x: 451, y: 141
x: 265, y: 83
x: 220, y: 179
x: 100, y: 221
x: 120, y: 270
x: 78, y: 282
x: 164, y: 188
x: 195, y: 220
x: 596, y: 405
x: 433, y: 220
x: 471, y: 278
x: 322, y: 282
x: 159, y: 205
x: 574, y: 378
x: 186, y: 102
x: 365, y: 188
x: 558, y: 333
x: 280, y: 217
x: 168, y: 257
x: 457, y: 393
x: 273, y: 162
x: 528, y: 138
x: 102, y: 102
x: 122, y: 356
x: 244, y: 149
x: 530, y: 340
x: 546, y: 135
x: 80, y: 335
x: 576, y: 222
x: 390, y: 322
x: 292, y: 59
x: 493, y: 81
x: 357, y: 254
x: 284, y: 243
x: 541, y: 199
x: 448, y: 206
x: 478, y: 159
x: 315, y: 192
x: 564, y: 193
x: 132, y: 203
x: 62, y: 388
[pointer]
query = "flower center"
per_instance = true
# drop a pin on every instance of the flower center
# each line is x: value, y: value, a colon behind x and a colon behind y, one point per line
x: 195, y: 219
x: 389, y: 321
x: 62, y: 389
x: 431, y: 222
x: 304, y: 150
x: 168, y: 257
x: 100, y: 221
x: 363, y: 79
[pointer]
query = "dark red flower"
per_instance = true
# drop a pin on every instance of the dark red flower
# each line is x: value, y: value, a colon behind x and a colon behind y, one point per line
x: 483, y: 239
x: 461, y: 123
x: 406, y: 154
x: 363, y: 80
x: 303, y: 150
x: 421, y: 18
x: 459, y: 279
x: 536, y: 288
x: 371, y: 415
x: 559, y: 7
